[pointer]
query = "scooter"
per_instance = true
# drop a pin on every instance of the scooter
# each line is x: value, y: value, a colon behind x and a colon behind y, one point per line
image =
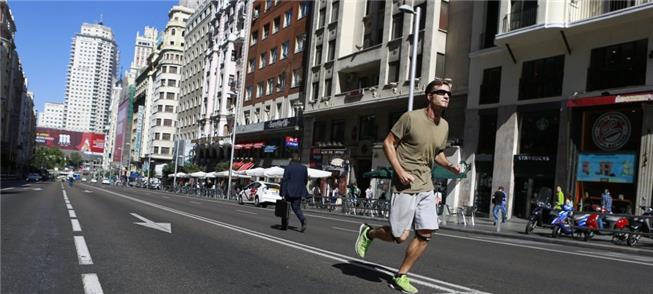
x: 562, y: 224
x: 640, y: 225
x: 541, y: 215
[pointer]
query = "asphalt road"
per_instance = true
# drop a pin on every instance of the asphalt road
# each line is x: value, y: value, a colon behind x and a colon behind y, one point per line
x: 218, y: 246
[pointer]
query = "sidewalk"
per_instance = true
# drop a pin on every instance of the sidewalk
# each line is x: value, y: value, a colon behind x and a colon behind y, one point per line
x: 514, y: 229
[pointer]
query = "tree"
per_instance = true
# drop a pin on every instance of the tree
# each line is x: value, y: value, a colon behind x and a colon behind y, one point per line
x: 220, y: 166
x: 75, y: 159
x: 191, y: 168
x: 47, y: 158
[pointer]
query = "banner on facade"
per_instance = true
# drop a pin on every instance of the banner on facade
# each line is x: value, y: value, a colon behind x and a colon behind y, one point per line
x: 611, y: 168
x: 292, y: 142
x: 85, y: 142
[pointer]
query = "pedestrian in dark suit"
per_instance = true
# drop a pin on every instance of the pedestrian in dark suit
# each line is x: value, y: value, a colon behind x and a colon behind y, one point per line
x: 293, y: 189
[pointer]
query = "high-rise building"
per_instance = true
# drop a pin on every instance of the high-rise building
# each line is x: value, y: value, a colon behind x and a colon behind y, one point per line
x: 144, y: 46
x: 192, y: 96
x: 52, y: 116
x: 91, y: 72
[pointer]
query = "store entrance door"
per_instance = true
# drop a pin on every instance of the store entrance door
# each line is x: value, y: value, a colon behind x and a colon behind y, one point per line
x: 527, y: 191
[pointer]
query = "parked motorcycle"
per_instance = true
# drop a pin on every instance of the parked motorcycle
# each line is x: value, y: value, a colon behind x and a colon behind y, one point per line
x: 541, y: 215
x: 563, y: 223
x: 641, y: 224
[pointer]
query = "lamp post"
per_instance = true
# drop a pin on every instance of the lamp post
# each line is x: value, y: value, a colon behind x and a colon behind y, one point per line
x: 413, y: 63
x: 233, y: 140
x: 299, y: 107
x: 174, y: 180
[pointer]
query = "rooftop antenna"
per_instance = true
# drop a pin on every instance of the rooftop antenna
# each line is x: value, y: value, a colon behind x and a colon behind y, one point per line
x: 101, y: 19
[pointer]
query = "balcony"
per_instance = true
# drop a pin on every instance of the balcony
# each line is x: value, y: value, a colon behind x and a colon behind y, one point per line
x: 519, y: 19
x: 582, y: 10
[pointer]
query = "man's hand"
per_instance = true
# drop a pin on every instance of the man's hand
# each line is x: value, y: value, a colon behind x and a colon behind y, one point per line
x: 454, y: 168
x: 405, y: 178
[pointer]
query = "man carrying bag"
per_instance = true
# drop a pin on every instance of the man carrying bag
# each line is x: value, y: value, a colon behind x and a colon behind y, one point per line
x: 293, y: 189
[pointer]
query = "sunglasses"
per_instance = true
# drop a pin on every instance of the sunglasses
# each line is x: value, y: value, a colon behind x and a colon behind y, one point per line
x: 441, y: 92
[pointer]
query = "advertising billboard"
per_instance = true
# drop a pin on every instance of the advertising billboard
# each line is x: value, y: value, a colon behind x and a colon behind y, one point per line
x: 121, y: 130
x: 85, y: 142
x: 611, y: 168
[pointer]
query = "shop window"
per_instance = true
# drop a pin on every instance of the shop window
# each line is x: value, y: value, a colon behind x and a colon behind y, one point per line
x: 542, y: 78
x: 491, y: 86
x: 367, y: 128
x: 617, y: 66
x: 538, y: 133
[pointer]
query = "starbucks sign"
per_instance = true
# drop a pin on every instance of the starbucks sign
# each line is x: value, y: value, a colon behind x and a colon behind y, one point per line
x: 611, y: 131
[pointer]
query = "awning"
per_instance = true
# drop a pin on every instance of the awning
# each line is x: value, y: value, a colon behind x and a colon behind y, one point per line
x: 612, y: 99
x: 246, y: 166
x: 238, y: 146
x: 237, y: 164
x: 258, y: 145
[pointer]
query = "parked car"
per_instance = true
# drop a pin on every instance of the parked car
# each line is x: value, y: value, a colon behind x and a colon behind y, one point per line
x: 260, y: 193
x: 93, y: 180
x: 33, y: 177
x: 83, y: 179
x: 106, y: 181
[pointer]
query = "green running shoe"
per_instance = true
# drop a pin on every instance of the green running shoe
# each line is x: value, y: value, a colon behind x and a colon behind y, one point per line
x: 402, y: 284
x: 362, y: 242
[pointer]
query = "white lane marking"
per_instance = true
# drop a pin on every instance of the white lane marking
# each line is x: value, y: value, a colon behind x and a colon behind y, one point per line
x: 83, y: 255
x: 76, y: 226
x: 8, y: 188
x: 87, y: 191
x: 166, y: 227
x: 343, y: 229
x: 68, y: 205
x: 195, y: 202
x: 91, y: 284
x: 72, y: 213
x: 620, y: 255
x: 545, y: 249
x: 64, y: 194
x: 67, y: 201
x: 243, y: 211
x: 416, y: 278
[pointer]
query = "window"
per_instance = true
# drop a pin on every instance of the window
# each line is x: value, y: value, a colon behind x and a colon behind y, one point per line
x: 334, y: 11
x: 321, y: 17
x: 444, y: 15
x: 397, y: 25
x: 157, y: 136
x: 318, y: 55
x: 299, y: 43
x: 173, y: 69
x: 284, y: 50
x: 617, y: 66
x: 268, y: 5
x: 256, y: 12
x: 253, y: 38
x: 165, y: 137
x: 252, y: 65
x: 260, y: 89
x: 158, y: 122
x: 439, y: 65
x: 316, y: 90
x: 296, y: 78
x: 167, y: 122
x: 274, y: 55
x: 170, y: 96
x: 338, y: 131
x: 367, y: 130
x: 276, y: 24
x: 487, y: 132
x: 165, y: 150
x: 164, y: 69
x: 156, y: 150
x: 266, y: 31
x: 287, y: 18
x: 161, y: 95
x: 281, y: 81
x: 491, y: 86
x: 169, y: 108
x: 303, y: 10
x: 332, y: 50
x: 327, y: 87
x: 422, y: 19
x: 248, y: 93
x: 163, y: 82
x: 271, y: 86
x: 172, y: 83
x: 542, y: 78
x: 159, y: 108
x: 393, y: 72
x: 263, y: 61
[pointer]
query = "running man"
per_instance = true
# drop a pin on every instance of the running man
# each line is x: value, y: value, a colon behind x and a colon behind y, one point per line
x: 414, y: 143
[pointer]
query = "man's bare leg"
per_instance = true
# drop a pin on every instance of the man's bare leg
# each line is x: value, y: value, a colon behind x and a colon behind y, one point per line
x: 413, y: 252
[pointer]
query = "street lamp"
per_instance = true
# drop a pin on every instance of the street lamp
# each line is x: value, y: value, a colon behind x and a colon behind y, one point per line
x: 413, y: 63
x: 299, y: 107
x: 233, y: 139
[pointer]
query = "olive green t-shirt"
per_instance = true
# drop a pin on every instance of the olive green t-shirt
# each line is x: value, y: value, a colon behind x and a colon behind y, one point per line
x: 420, y: 141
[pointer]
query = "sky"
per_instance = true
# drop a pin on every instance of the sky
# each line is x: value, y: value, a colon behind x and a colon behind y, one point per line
x: 45, y: 29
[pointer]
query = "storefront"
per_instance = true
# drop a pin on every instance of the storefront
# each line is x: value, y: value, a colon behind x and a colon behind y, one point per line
x: 612, y: 149
x: 268, y: 143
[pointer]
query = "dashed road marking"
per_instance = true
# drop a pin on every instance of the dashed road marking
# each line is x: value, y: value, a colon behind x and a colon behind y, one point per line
x: 69, y: 206
x: 83, y: 255
x: 72, y: 213
x: 76, y: 226
x: 91, y: 284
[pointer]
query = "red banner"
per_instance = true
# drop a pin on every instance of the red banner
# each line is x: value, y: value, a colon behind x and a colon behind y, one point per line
x: 88, y: 143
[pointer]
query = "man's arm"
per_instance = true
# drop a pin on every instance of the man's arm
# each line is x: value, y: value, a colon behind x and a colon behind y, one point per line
x: 389, y: 145
x: 442, y: 160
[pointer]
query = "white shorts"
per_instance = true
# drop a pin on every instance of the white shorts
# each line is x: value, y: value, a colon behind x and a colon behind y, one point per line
x: 416, y: 210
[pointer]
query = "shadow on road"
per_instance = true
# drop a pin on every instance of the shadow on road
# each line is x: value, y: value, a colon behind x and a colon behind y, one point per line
x: 364, y: 271
x: 278, y: 227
